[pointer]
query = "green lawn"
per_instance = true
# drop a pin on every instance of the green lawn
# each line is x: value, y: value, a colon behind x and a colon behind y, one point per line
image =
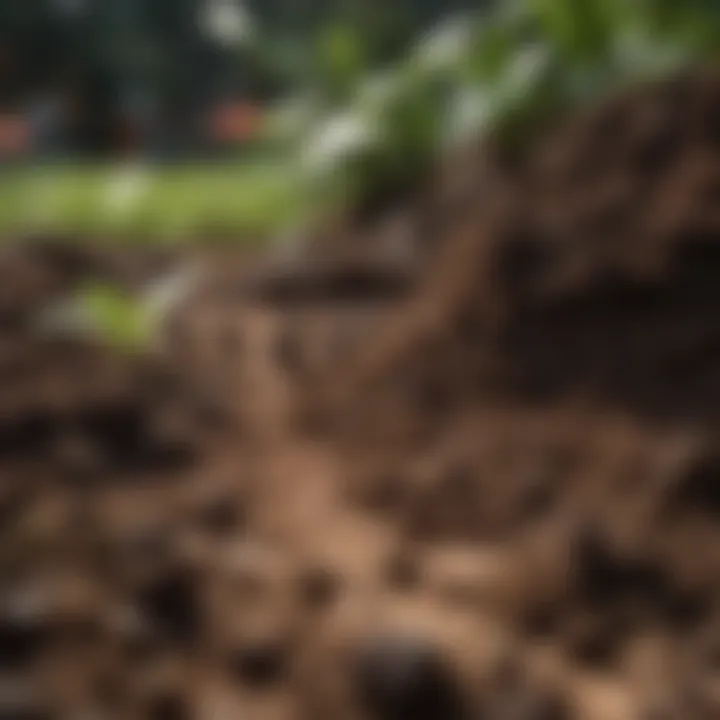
x: 154, y: 203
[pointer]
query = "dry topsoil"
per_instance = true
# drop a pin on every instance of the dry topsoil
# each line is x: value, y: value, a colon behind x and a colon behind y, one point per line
x: 486, y: 487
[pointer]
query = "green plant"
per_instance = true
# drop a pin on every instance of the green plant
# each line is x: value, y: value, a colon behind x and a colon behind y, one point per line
x: 508, y: 71
x: 119, y: 319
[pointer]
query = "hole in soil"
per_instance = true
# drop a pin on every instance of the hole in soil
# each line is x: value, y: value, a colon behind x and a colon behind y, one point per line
x: 604, y: 578
x: 172, y: 604
x: 337, y: 285
x: 698, y: 254
x: 319, y: 587
x: 539, y: 500
x: 403, y: 572
x: 686, y: 613
x: 125, y: 435
x: 653, y: 151
x: 28, y: 434
x: 288, y: 353
x: 260, y: 664
x: 406, y: 679
x: 522, y: 258
x: 21, y: 641
x: 699, y: 490
x: 118, y: 429
x: 383, y: 494
x: 168, y: 706
x: 222, y: 515
x: 542, y: 620
x: 597, y: 647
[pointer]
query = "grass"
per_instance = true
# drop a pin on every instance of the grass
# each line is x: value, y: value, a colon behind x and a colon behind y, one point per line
x: 159, y: 204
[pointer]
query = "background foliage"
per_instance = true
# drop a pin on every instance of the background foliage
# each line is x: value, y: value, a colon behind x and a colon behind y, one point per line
x: 358, y: 96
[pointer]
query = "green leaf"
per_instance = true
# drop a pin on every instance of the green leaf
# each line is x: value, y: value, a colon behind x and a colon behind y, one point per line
x: 117, y: 317
x: 342, y: 58
x: 582, y: 30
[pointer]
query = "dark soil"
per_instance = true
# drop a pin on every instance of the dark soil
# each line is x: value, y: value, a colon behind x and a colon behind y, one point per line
x: 481, y: 481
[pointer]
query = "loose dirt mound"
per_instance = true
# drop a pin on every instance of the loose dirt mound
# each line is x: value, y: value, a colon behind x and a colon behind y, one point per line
x: 589, y: 271
x: 559, y: 375
x: 502, y: 504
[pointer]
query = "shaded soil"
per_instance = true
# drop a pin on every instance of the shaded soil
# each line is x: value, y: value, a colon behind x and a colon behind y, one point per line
x: 479, y: 480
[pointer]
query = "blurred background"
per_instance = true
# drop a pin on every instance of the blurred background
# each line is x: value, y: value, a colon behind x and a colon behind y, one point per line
x: 178, y: 118
x: 168, y: 80
x: 90, y: 86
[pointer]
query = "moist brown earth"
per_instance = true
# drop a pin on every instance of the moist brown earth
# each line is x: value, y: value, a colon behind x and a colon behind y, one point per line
x: 483, y: 485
